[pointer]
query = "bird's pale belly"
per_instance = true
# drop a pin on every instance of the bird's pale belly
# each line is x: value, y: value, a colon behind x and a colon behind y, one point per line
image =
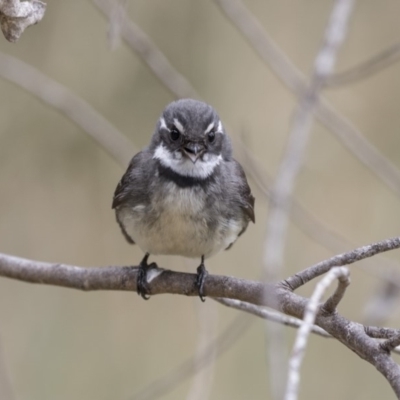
x: 177, y: 224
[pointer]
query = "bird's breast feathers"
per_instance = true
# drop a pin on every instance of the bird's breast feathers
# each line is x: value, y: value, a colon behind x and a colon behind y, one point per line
x: 179, y: 221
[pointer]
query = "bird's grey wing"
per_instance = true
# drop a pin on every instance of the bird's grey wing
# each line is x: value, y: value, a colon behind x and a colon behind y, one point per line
x: 246, y: 199
x: 132, y: 188
x: 242, y: 194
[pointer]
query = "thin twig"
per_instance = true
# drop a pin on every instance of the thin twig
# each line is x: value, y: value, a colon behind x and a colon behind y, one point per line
x: 303, y: 333
x: 367, y: 68
x: 381, y: 333
x: 350, y: 257
x: 327, y: 114
x: 269, y: 315
x: 343, y: 282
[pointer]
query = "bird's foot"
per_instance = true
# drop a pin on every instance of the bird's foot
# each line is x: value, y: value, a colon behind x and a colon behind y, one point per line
x: 201, y: 277
x: 142, y: 286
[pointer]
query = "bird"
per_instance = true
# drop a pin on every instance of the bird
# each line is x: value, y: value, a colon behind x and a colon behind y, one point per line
x: 184, y: 194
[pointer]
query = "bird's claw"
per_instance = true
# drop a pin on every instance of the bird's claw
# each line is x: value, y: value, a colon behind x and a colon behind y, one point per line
x: 201, y: 277
x: 142, y: 286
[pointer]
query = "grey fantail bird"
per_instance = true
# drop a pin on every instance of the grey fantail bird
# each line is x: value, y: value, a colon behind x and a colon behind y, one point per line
x: 184, y: 194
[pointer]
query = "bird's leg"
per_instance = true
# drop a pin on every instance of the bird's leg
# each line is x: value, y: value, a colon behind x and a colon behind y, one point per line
x: 142, y: 286
x: 201, y: 277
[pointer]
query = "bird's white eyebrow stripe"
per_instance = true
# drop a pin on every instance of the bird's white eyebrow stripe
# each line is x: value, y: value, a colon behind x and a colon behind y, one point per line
x: 163, y: 125
x: 209, y: 127
x: 220, y: 129
x: 178, y: 125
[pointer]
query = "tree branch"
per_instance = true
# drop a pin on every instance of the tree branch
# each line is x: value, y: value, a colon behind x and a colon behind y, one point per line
x: 124, y: 278
x: 350, y: 257
x: 165, y: 281
x: 353, y: 335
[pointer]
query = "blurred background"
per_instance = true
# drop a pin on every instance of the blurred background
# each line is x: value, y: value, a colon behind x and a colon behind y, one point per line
x: 56, y: 188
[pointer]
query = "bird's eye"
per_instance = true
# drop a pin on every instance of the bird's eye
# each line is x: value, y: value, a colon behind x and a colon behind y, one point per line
x: 211, y: 136
x: 175, y: 134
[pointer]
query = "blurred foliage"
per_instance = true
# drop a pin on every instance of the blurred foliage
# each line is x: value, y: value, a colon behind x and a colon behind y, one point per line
x: 56, y: 187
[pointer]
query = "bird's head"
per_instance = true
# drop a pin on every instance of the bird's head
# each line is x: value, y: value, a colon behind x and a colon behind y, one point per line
x: 190, y: 139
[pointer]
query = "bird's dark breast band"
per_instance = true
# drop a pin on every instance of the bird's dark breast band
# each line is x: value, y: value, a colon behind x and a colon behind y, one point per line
x: 183, y: 181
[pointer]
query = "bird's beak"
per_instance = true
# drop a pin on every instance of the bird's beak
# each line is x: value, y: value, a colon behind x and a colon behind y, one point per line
x: 193, y: 151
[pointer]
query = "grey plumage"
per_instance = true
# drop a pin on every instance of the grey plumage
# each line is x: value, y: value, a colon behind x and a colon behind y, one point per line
x: 185, y: 194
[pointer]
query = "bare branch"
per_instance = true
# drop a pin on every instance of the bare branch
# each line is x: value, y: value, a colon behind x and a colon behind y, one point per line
x: 269, y: 315
x: 350, y: 257
x: 303, y: 333
x: 124, y: 278
x: 16, y: 16
x: 381, y: 333
x: 175, y: 82
x: 284, y: 69
x: 367, y: 68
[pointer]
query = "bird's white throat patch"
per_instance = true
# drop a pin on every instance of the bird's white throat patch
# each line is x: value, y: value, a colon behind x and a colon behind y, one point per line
x: 201, y: 169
